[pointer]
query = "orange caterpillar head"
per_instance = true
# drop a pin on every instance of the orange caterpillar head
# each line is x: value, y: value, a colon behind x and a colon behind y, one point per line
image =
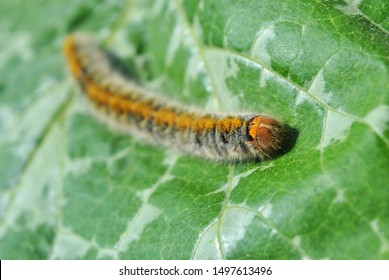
x: 268, y: 135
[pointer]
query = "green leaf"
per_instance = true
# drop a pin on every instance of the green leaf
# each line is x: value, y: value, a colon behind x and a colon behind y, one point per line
x: 70, y: 188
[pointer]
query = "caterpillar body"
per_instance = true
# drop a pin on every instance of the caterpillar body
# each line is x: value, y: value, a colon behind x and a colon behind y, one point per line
x: 122, y: 102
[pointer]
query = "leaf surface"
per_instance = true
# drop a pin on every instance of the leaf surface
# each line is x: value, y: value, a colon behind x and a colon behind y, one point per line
x: 71, y: 188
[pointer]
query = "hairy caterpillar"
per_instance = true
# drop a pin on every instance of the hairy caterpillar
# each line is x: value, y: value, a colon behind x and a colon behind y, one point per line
x: 126, y: 105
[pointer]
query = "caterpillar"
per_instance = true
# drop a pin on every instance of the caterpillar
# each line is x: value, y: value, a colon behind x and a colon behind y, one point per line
x: 149, y: 116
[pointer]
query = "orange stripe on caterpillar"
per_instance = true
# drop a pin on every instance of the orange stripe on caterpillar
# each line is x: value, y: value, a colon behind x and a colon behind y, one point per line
x: 238, y: 138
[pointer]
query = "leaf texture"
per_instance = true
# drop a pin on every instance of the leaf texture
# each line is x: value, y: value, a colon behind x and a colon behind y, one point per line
x: 71, y: 188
